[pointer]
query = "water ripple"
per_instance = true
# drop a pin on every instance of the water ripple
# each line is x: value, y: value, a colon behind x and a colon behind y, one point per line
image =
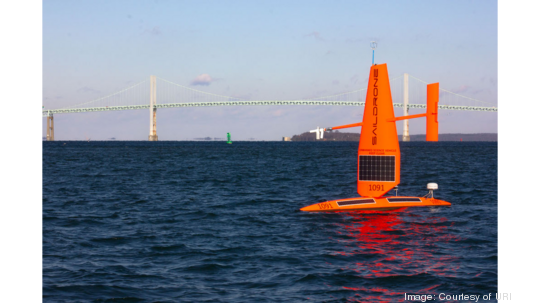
x: 210, y: 222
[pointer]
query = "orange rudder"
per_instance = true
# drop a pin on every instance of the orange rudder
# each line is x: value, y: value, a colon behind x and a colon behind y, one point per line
x: 432, y: 121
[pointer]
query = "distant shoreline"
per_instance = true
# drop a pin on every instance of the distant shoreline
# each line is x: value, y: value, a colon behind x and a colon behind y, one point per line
x: 339, y: 136
x: 483, y: 137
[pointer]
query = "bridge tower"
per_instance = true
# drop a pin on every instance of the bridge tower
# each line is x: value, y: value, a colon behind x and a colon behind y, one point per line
x: 406, y: 136
x: 50, y: 127
x: 153, y: 133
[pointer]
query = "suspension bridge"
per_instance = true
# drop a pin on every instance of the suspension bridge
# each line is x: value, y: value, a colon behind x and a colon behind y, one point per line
x: 407, y: 92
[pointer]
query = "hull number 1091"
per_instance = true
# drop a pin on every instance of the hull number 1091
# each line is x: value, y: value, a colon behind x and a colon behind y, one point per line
x: 325, y: 205
x: 376, y: 187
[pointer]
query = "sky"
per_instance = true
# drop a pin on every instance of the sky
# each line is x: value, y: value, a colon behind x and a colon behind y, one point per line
x: 260, y: 50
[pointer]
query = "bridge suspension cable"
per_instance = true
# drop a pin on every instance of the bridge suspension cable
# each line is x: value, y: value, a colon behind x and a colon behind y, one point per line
x: 115, y: 99
x: 170, y: 94
x: 446, y: 95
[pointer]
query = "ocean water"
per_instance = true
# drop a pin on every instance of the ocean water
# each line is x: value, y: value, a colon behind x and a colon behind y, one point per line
x: 212, y: 222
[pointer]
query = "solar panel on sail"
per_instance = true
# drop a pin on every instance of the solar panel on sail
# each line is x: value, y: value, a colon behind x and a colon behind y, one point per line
x: 376, y: 168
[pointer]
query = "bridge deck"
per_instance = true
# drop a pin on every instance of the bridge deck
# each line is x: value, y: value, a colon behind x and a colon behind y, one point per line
x: 46, y: 112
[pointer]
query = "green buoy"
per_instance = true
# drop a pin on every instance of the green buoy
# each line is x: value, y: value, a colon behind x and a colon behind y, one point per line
x: 229, y: 138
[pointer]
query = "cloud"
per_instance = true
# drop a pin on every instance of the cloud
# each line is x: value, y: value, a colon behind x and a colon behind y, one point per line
x: 87, y: 89
x: 462, y: 89
x: 202, y: 79
x: 155, y: 31
x: 335, y: 82
x: 278, y: 113
x: 315, y: 35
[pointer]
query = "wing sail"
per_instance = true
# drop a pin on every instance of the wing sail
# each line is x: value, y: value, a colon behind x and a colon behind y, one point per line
x: 378, y: 152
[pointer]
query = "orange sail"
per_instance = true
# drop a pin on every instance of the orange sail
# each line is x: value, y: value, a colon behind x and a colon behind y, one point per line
x: 432, y: 122
x: 378, y: 151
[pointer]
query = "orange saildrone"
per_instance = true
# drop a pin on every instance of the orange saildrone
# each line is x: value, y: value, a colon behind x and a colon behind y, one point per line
x: 379, y: 156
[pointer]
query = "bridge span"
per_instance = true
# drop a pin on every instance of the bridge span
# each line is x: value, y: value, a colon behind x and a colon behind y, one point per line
x: 132, y: 97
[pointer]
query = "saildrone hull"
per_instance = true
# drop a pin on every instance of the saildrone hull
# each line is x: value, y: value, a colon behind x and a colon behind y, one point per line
x: 382, y: 203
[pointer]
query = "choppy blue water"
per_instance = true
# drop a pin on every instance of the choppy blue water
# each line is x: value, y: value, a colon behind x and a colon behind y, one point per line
x: 211, y: 222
